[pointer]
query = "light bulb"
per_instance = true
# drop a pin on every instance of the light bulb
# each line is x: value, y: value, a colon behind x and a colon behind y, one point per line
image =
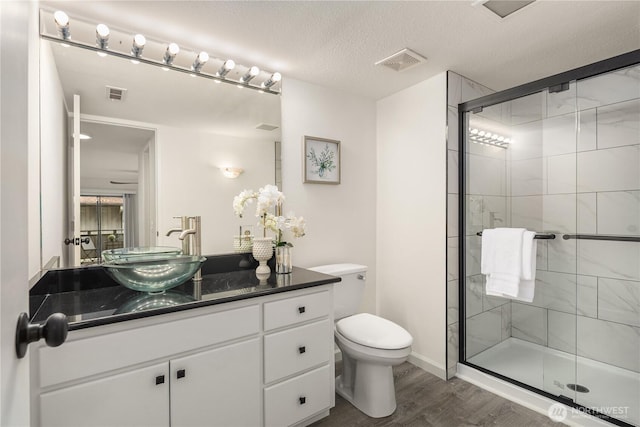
x: 249, y: 75
x: 138, y: 44
x: 102, y: 36
x: 228, y: 65
x: 170, y: 54
x: 275, y: 78
x: 201, y: 59
x: 62, y: 23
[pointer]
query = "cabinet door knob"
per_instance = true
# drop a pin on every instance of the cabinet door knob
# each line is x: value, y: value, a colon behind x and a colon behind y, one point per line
x: 302, y: 349
x: 302, y: 400
x: 301, y: 309
x: 181, y: 373
x: 160, y: 379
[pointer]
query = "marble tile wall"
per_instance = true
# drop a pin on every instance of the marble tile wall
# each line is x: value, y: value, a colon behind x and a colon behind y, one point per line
x: 587, y: 292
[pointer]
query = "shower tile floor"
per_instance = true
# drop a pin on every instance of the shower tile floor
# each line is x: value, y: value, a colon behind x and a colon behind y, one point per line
x: 611, y: 389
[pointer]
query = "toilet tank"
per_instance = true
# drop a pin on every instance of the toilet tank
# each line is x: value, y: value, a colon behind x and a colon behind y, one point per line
x: 347, y: 294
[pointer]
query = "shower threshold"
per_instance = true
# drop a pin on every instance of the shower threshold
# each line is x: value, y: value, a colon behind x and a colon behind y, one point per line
x: 609, y: 389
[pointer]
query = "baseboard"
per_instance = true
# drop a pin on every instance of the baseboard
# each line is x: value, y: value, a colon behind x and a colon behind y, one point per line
x: 428, y: 365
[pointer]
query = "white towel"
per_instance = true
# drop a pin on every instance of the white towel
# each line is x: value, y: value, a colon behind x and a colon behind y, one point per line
x: 508, y: 260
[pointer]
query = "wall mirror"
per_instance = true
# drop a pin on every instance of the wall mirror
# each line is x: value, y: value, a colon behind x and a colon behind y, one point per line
x: 156, y: 142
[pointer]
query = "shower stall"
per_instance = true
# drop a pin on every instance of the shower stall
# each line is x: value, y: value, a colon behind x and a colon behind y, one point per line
x: 561, y: 157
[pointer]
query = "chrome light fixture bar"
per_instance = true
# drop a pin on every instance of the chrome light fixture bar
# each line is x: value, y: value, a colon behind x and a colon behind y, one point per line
x: 61, y: 31
x: 483, y: 137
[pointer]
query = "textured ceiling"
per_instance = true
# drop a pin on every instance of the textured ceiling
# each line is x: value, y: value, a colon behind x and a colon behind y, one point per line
x: 336, y: 44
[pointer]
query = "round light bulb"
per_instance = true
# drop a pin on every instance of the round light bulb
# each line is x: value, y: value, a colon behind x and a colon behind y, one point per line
x: 203, y: 56
x: 61, y: 18
x: 276, y: 77
x: 501, y: 138
x: 139, y: 40
x: 174, y: 49
x: 229, y: 64
x: 474, y: 131
x: 102, y: 30
x: 481, y: 133
x: 254, y: 71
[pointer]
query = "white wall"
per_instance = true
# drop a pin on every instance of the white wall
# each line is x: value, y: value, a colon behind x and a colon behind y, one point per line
x: 18, y: 107
x: 53, y: 149
x: 411, y: 208
x: 340, y: 218
x: 191, y: 183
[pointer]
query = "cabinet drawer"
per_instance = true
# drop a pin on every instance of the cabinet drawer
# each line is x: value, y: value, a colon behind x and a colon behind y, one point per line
x: 297, y: 349
x: 102, y: 353
x: 298, y: 398
x: 297, y: 309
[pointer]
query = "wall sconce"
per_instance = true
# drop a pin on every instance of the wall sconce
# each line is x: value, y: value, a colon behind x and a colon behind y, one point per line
x: 231, y: 172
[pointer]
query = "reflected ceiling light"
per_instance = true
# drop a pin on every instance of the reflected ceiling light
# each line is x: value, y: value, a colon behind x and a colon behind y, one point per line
x: 170, y: 54
x: 62, y: 23
x: 275, y: 78
x: 138, y: 44
x: 488, y: 138
x: 201, y: 59
x: 231, y: 172
x: 228, y: 65
x: 249, y: 75
x: 102, y: 38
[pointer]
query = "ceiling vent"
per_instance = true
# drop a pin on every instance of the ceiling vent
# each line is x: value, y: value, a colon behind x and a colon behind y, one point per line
x: 504, y: 8
x: 402, y: 60
x: 265, y: 126
x: 116, y: 93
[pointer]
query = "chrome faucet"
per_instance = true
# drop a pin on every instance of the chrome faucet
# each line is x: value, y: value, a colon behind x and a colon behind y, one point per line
x: 190, y: 235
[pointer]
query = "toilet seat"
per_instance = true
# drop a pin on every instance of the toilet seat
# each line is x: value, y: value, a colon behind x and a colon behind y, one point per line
x: 373, y: 331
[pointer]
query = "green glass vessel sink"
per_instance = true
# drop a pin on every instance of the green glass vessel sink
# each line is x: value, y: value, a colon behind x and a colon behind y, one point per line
x: 155, y: 274
x: 140, y: 253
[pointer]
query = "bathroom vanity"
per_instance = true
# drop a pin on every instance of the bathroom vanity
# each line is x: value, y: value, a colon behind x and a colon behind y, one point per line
x: 236, y: 352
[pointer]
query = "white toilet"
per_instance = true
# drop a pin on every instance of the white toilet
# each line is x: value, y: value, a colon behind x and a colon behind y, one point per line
x: 370, y: 345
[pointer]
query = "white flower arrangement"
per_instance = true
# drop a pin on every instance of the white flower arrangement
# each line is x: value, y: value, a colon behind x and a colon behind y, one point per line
x: 270, y: 198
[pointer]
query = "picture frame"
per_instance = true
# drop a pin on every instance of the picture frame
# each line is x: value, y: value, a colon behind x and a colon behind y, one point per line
x: 321, y: 160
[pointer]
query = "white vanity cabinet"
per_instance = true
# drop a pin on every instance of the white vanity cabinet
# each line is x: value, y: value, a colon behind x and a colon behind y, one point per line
x: 298, y: 359
x: 260, y: 361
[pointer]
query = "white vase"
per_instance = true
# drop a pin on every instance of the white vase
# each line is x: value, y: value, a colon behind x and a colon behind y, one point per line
x: 262, y: 252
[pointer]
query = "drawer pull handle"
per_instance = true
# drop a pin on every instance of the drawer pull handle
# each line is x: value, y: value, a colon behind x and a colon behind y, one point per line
x: 181, y: 373
x: 160, y: 379
x: 302, y: 400
x: 301, y: 309
x: 302, y: 349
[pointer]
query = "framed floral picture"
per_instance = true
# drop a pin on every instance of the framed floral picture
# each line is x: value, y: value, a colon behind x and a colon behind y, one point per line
x: 321, y: 160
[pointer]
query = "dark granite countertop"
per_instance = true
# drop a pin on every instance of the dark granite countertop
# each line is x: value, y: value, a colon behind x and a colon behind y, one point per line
x: 89, y: 297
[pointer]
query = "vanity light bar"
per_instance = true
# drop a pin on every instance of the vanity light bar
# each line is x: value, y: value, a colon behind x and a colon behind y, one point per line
x: 167, y: 62
x: 478, y: 136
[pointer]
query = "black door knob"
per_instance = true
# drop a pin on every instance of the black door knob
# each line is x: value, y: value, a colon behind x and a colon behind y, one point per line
x: 54, y: 331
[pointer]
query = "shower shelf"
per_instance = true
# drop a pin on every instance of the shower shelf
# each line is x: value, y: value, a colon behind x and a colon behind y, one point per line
x: 538, y: 236
x: 602, y: 237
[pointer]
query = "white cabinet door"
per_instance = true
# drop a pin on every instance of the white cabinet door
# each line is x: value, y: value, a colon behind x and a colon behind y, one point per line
x: 219, y: 387
x: 132, y: 399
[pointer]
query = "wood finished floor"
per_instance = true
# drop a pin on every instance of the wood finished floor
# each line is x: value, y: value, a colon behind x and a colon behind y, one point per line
x: 425, y: 400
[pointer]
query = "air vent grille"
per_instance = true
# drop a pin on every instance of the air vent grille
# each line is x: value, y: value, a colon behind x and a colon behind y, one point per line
x: 116, y: 93
x: 402, y: 60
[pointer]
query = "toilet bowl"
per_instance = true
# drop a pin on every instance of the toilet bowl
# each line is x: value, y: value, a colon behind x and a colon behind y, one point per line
x: 370, y: 345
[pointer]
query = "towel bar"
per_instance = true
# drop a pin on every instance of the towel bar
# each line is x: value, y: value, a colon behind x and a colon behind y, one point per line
x: 539, y: 236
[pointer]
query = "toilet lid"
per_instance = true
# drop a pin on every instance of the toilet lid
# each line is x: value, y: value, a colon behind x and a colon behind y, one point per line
x: 373, y: 331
